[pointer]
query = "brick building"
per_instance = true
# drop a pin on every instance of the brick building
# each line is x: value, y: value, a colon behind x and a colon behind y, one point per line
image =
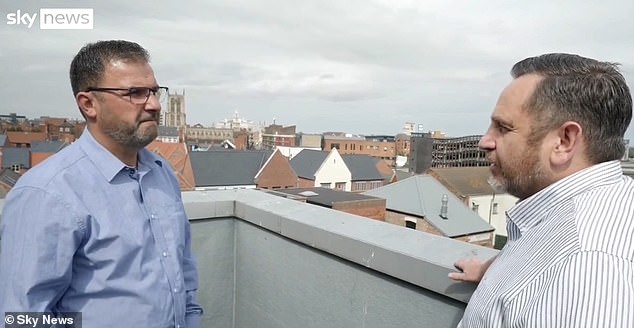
x: 379, y: 146
x: 353, y: 203
x: 277, y: 135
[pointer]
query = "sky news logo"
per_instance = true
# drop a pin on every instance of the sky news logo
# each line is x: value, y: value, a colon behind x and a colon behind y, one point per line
x: 54, y: 18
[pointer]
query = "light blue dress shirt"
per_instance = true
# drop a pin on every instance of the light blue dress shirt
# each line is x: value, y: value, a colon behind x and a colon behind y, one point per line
x: 82, y: 232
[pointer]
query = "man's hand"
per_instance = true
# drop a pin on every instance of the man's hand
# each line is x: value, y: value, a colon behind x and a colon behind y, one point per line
x: 472, y: 269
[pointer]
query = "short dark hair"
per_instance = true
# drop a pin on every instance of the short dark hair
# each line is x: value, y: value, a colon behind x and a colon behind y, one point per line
x: 88, y: 66
x: 589, y: 92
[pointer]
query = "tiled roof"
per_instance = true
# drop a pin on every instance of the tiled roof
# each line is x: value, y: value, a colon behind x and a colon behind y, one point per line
x: 421, y: 195
x: 326, y: 196
x: 307, y: 162
x: 227, y: 168
x: 362, y: 167
x: 16, y: 156
x: 176, y: 155
x: 19, y: 137
x: 47, y: 146
x: 465, y: 181
x: 8, y: 177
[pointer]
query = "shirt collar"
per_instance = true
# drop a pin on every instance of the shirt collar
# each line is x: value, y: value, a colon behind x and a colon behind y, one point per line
x: 531, y: 211
x: 108, y: 164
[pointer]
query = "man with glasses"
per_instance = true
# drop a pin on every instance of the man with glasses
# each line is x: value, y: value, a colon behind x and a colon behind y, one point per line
x: 100, y: 228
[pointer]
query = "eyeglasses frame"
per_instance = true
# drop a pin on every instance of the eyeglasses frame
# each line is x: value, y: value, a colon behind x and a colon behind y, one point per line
x: 130, y: 91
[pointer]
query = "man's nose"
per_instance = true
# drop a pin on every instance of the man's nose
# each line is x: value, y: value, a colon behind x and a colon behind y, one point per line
x: 486, y: 142
x: 153, y: 102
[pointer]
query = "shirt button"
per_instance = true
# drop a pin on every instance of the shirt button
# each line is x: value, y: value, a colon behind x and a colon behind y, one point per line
x: 153, y: 217
x: 175, y: 290
x: 164, y: 254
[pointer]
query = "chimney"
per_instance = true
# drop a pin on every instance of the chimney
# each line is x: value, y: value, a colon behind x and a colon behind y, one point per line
x: 443, y: 206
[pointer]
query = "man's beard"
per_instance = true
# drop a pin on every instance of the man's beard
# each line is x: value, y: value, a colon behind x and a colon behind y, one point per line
x: 522, y: 183
x: 132, y: 136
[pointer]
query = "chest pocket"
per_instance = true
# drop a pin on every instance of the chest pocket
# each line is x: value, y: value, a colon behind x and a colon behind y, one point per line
x: 171, y: 221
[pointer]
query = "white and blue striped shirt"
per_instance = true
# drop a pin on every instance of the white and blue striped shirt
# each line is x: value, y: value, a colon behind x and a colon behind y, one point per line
x: 569, y: 261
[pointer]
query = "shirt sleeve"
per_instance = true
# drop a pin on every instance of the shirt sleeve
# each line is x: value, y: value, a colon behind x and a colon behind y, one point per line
x: 193, y: 311
x: 39, y: 235
x: 590, y: 289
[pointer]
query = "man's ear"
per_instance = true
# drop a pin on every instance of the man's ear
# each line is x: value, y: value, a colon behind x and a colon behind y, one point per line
x: 87, y: 104
x: 569, y: 143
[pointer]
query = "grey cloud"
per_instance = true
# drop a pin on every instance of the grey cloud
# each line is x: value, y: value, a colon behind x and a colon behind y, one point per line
x: 440, y: 63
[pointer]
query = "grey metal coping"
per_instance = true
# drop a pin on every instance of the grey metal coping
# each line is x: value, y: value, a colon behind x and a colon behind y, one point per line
x: 413, y: 256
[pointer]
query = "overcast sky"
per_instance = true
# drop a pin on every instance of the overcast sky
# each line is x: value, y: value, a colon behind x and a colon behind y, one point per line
x: 358, y: 66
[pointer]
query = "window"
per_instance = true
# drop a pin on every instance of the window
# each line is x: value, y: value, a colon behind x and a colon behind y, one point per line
x: 494, y: 210
x: 410, y: 224
x: 359, y: 186
x: 475, y: 206
x: 340, y: 185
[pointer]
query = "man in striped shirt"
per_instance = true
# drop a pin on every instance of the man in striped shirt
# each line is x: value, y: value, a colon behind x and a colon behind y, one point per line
x: 555, y: 140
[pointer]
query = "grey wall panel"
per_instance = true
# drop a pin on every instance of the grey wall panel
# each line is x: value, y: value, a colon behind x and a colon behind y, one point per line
x: 281, y: 283
x: 213, y: 244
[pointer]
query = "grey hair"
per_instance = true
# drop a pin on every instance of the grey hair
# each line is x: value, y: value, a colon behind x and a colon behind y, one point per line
x: 592, y: 93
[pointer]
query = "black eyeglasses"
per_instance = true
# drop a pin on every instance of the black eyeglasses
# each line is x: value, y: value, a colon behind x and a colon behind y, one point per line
x: 138, y: 95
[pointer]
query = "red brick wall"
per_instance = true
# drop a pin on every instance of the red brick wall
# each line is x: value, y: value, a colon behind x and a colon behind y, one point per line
x: 277, y: 174
x: 37, y: 158
x: 385, y: 150
x: 240, y: 140
x: 304, y: 183
x: 421, y: 224
x: 373, y: 209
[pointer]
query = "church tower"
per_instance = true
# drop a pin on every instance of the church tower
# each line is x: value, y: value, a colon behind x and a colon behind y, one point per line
x: 175, y: 115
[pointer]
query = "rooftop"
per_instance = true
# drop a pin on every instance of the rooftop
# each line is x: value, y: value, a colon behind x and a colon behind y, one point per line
x: 325, y: 196
x: 421, y: 195
x: 227, y: 168
x: 467, y: 181
x: 267, y: 261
